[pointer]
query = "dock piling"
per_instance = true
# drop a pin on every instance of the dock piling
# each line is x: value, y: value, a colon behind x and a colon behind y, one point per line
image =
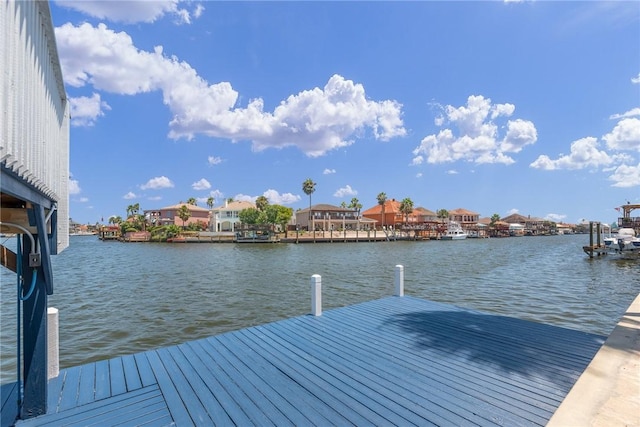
x: 316, y: 295
x: 399, y: 280
x: 53, y: 343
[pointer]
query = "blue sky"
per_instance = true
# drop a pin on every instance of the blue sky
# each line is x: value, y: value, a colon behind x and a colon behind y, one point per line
x: 496, y: 107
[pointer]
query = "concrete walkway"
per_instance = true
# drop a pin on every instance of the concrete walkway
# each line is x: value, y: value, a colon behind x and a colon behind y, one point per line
x: 607, y: 394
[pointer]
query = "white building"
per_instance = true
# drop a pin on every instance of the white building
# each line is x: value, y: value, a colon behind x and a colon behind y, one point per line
x: 226, y: 217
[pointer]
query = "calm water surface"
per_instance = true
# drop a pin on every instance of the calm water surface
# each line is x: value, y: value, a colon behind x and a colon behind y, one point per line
x: 121, y: 298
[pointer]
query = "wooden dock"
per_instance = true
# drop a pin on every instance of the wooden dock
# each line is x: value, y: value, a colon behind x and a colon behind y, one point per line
x: 393, y: 361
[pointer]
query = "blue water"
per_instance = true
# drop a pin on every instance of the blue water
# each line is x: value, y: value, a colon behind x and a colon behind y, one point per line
x: 121, y: 298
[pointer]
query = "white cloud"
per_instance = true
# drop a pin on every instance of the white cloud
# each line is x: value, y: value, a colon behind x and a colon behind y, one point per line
x: 345, y: 191
x: 212, y: 160
x: 154, y: 198
x: 130, y: 195
x: 584, y: 153
x: 625, y: 176
x: 477, y: 137
x: 328, y: 171
x: 134, y: 11
x: 636, y: 80
x: 417, y: 160
x: 74, y: 187
x: 83, y: 199
x: 315, y: 121
x: 452, y: 172
x: 157, y: 183
x: 625, y: 135
x: 244, y: 198
x: 84, y: 110
x: 512, y: 211
x: 419, y: 175
x: 555, y: 217
x: 203, y: 184
x: 634, y: 112
x: 280, y: 199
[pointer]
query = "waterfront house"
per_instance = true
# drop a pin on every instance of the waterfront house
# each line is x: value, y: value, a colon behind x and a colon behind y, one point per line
x: 329, y: 217
x: 391, y: 216
x: 466, y: 218
x: 227, y: 217
x: 170, y: 215
x: 424, y: 215
x: 528, y: 224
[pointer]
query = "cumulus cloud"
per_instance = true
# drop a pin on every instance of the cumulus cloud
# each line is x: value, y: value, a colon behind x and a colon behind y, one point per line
x: 587, y: 152
x: 625, y: 176
x: 85, y: 110
x: 584, y: 153
x: 213, y: 160
x: 345, y: 191
x: 477, y: 137
x: 315, y: 121
x: 328, y: 171
x: 74, y: 187
x: 636, y: 80
x: 512, y: 211
x: 203, y: 184
x: 157, y: 183
x: 634, y: 112
x: 130, y: 195
x: 135, y: 10
x: 275, y: 198
x: 625, y: 135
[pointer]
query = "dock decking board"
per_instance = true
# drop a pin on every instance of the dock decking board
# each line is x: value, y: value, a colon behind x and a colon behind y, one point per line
x: 393, y: 361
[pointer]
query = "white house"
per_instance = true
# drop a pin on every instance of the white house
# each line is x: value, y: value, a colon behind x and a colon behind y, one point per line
x: 225, y: 218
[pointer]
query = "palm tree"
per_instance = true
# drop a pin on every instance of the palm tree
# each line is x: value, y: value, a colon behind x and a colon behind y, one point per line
x: 192, y: 201
x: 406, y: 207
x: 308, y: 186
x: 129, y: 210
x: 261, y: 203
x: 184, y: 213
x: 210, y: 202
x: 382, y: 199
x: 355, y: 204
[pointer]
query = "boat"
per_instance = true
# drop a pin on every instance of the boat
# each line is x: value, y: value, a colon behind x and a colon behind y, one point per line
x: 454, y: 232
x: 625, y: 244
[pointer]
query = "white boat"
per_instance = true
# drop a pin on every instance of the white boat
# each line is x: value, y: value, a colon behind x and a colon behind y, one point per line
x: 454, y: 232
x: 624, y: 244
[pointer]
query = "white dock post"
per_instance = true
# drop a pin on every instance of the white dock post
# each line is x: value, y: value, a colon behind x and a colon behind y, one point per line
x: 53, y: 344
x: 399, y: 280
x: 316, y: 295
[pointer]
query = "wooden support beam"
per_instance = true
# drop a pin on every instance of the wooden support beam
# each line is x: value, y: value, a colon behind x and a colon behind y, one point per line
x: 8, y: 259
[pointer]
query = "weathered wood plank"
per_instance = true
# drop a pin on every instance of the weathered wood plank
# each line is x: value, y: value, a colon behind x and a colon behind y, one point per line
x: 302, y: 369
x: 408, y: 386
x: 222, y: 408
x: 103, y: 382
x: 181, y: 372
x: 125, y: 407
x: 227, y: 378
x: 116, y: 375
x: 285, y: 392
x: 131, y: 374
x: 147, y: 376
x: 54, y: 392
x: 176, y: 406
x: 87, y: 389
x: 69, y: 396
